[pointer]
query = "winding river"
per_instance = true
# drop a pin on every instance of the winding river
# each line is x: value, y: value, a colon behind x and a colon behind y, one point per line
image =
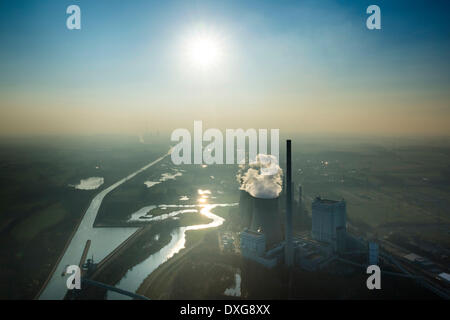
x: 105, y: 240
x: 135, y: 276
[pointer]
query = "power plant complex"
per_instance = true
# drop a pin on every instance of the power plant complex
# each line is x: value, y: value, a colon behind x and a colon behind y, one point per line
x: 268, y: 239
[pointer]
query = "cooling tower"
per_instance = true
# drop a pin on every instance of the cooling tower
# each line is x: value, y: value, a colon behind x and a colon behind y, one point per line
x: 245, y: 208
x: 266, y: 218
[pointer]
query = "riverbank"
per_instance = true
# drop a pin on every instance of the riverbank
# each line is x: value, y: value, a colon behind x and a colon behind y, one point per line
x: 200, y: 271
x: 151, y: 240
x: 61, y: 255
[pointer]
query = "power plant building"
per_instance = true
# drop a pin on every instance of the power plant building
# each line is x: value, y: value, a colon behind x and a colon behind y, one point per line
x: 327, y: 247
x: 262, y: 239
x: 253, y: 247
x: 253, y: 243
x: 327, y: 217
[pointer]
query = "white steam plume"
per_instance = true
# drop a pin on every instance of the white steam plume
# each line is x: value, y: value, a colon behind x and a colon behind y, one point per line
x: 262, y: 178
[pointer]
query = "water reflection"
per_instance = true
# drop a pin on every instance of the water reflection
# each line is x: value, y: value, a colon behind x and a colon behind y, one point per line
x: 136, y: 275
x: 204, y: 195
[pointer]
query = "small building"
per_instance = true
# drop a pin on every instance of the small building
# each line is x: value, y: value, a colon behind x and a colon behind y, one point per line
x: 312, y: 255
x: 253, y: 243
x: 253, y: 247
x: 412, y: 257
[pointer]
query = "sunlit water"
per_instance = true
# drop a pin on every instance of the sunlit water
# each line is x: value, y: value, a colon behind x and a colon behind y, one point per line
x: 143, y: 214
x: 91, y: 183
x: 136, y: 275
x: 164, y: 177
x: 105, y: 240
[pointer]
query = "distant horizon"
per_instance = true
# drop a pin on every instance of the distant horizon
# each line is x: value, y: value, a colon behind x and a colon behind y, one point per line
x: 297, y: 136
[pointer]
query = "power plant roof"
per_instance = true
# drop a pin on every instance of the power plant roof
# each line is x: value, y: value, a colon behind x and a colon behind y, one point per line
x: 252, y: 232
x: 328, y: 202
x: 325, y: 201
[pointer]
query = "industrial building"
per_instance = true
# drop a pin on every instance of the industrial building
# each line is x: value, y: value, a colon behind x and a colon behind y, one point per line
x: 311, y: 255
x: 253, y: 243
x: 327, y: 217
x: 327, y: 247
x: 262, y: 238
x: 253, y: 247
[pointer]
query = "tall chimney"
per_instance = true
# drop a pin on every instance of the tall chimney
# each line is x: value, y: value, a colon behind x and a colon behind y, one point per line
x: 289, y: 256
x: 300, y: 198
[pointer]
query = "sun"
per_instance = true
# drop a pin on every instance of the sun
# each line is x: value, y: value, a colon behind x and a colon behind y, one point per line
x: 204, y: 50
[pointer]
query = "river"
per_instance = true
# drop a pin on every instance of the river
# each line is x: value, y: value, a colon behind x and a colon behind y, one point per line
x: 136, y: 275
x: 103, y: 240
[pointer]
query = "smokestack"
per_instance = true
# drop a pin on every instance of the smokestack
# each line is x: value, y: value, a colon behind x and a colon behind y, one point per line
x: 300, y: 199
x: 289, y: 257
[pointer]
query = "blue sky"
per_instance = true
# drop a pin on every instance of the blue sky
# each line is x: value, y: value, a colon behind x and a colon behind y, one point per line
x: 306, y: 60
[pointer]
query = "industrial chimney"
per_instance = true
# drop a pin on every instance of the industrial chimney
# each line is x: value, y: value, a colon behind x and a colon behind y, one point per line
x: 289, y: 253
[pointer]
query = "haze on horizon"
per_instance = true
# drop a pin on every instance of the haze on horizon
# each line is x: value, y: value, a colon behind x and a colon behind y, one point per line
x: 307, y: 67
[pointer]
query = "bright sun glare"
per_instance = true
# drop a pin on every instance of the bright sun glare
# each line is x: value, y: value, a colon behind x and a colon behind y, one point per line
x: 204, y: 50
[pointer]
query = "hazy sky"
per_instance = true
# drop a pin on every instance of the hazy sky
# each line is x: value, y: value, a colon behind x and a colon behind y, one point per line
x: 306, y: 66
